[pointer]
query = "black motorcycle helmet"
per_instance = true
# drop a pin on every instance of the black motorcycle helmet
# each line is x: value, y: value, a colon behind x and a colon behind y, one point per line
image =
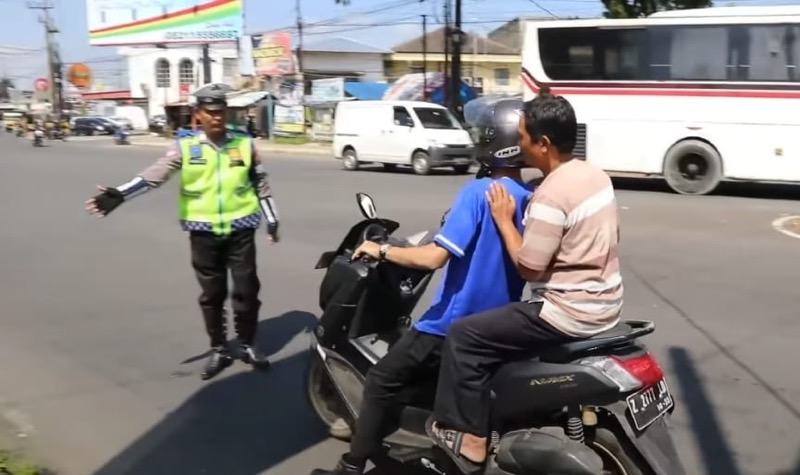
x: 494, y: 124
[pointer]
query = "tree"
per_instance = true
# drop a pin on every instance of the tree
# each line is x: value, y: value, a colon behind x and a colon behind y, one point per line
x: 6, y: 84
x: 641, y: 8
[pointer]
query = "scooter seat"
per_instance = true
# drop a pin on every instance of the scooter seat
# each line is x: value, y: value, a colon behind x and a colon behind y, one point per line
x: 621, y: 334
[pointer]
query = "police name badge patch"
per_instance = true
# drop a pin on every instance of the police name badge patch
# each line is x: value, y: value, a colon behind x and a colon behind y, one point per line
x: 196, y: 155
x: 236, y: 157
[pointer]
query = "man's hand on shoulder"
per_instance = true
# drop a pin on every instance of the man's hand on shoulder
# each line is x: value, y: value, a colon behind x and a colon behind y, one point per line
x: 502, y: 204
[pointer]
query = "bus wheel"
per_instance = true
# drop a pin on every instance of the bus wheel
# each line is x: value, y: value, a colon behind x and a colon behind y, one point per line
x: 692, y: 167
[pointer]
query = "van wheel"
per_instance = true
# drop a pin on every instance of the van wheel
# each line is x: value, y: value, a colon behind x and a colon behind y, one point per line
x: 350, y: 160
x: 461, y: 169
x: 421, y: 163
x: 692, y: 167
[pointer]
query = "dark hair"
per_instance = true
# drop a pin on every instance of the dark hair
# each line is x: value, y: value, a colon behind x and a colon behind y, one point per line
x: 553, y: 116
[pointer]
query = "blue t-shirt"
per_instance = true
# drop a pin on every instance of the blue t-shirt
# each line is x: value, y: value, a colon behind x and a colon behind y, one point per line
x: 479, y: 275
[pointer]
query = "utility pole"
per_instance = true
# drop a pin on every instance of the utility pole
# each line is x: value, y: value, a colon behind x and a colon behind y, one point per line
x: 424, y: 57
x: 206, y: 64
x: 54, y: 65
x: 457, y: 37
x: 446, y: 86
x: 299, y: 71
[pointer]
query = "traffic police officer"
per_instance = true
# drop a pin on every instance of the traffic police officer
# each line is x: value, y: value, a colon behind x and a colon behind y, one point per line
x: 224, y: 192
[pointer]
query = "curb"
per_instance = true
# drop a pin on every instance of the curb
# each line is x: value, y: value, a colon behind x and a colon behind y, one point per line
x: 288, y: 149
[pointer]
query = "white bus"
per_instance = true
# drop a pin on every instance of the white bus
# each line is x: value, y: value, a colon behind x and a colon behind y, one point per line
x: 695, y: 96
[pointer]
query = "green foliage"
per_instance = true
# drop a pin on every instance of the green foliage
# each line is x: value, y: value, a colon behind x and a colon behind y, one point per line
x: 13, y: 465
x: 642, y: 8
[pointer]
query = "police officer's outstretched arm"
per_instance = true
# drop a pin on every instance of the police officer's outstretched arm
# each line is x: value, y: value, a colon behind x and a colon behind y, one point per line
x: 260, y: 180
x: 151, y: 177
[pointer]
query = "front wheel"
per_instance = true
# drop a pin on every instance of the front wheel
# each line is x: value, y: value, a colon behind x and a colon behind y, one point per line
x: 693, y: 167
x: 325, y: 400
x: 421, y: 162
x: 618, y: 457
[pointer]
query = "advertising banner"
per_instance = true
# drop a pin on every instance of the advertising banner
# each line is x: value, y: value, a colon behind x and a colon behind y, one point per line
x: 331, y: 89
x: 289, y: 120
x: 272, y: 54
x: 138, y: 22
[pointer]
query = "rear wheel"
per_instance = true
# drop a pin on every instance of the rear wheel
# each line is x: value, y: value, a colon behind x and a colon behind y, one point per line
x: 618, y: 458
x: 349, y: 160
x: 325, y: 400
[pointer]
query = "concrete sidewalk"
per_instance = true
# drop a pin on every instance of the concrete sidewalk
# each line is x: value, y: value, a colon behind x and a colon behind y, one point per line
x: 311, y: 148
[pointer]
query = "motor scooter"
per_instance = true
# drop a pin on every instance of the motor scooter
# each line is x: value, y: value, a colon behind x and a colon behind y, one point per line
x: 38, y: 138
x: 598, y: 406
x: 121, y: 137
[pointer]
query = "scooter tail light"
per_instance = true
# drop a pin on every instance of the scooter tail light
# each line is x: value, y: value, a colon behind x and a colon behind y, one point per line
x: 613, y: 370
x: 628, y: 373
x: 645, y: 368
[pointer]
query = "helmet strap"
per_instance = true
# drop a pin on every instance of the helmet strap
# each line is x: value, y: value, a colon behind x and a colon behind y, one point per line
x: 483, y: 172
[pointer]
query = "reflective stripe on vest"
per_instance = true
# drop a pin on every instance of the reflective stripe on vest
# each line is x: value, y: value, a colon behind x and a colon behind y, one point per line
x: 216, y: 190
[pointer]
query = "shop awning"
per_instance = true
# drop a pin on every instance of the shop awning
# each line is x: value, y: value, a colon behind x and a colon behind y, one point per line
x: 365, y: 90
x: 247, y: 99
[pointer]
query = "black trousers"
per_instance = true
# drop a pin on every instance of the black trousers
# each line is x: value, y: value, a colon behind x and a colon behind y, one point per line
x: 475, y: 346
x: 416, y: 356
x: 212, y: 256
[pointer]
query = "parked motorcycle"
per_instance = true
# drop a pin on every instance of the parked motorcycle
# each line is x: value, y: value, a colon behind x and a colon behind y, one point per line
x: 38, y: 138
x: 593, y: 407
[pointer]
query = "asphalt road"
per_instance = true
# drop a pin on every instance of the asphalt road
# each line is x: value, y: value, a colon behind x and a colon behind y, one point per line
x: 101, y: 340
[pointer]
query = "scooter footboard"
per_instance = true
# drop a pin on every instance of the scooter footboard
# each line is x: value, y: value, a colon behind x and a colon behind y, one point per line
x: 654, y: 444
x: 542, y: 451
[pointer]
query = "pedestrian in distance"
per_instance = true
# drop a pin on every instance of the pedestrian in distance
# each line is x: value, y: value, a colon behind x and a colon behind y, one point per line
x: 224, y: 192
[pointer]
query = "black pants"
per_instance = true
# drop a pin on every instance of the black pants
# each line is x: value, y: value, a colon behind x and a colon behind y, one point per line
x: 212, y: 256
x: 416, y: 356
x: 475, y: 346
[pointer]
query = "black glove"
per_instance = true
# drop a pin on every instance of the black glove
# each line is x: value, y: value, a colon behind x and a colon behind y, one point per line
x: 272, y: 231
x: 108, y: 200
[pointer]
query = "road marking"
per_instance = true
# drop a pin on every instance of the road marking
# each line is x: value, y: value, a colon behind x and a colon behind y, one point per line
x: 783, y: 222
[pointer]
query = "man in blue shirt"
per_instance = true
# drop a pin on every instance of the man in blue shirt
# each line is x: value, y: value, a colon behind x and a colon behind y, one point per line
x: 479, y: 276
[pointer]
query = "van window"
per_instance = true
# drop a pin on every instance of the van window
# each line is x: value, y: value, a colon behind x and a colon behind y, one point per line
x: 402, y: 117
x: 436, y: 118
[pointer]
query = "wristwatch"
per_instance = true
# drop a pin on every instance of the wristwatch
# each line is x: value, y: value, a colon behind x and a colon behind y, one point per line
x: 383, y: 250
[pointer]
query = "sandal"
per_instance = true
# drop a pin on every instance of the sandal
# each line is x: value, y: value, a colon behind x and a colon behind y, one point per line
x: 443, y: 437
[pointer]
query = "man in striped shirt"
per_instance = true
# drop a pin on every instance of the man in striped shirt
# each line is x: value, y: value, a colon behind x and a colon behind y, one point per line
x: 568, y: 254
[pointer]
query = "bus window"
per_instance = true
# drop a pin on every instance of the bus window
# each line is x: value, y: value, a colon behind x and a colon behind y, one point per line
x: 593, y: 53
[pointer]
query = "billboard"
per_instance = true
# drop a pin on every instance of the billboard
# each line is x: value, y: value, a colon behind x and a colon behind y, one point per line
x: 146, y: 22
x: 272, y: 54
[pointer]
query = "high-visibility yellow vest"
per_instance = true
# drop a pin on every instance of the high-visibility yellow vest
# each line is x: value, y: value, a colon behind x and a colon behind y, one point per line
x: 216, y: 189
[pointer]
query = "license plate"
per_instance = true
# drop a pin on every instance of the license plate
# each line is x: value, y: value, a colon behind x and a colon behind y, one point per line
x: 649, y: 404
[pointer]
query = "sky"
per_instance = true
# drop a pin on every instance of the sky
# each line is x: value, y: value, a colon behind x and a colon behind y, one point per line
x: 22, y: 36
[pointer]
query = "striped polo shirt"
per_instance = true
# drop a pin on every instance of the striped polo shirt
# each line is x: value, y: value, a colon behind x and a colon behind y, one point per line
x: 572, y: 234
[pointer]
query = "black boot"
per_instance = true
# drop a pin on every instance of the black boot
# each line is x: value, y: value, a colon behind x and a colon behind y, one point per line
x: 342, y: 468
x: 217, y: 361
x: 250, y: 355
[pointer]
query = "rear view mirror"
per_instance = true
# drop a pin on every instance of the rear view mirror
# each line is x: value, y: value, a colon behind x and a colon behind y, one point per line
x: 367, y: 205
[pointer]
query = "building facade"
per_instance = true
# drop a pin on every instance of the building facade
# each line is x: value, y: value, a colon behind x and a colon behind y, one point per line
x: 167, y: 75
x: 489, y: 66
x: 340, y: 57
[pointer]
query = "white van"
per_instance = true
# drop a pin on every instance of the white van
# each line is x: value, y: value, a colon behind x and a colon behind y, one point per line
x: 419, y: 134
